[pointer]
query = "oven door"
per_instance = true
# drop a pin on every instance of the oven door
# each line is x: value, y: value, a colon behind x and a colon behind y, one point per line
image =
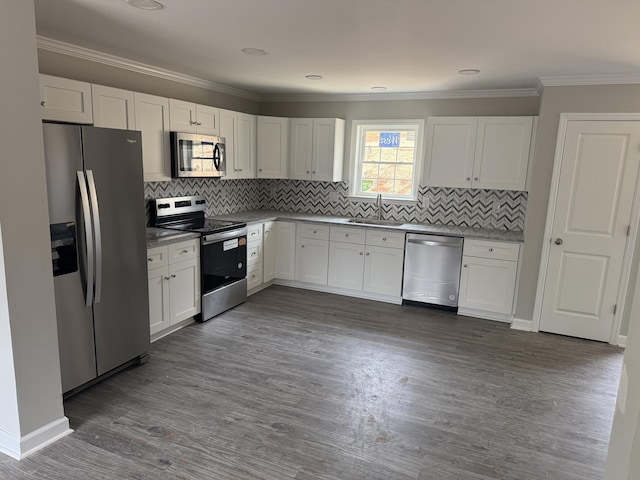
x: 223, y: 259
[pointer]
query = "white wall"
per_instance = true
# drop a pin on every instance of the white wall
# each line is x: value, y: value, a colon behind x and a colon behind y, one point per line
x: 27, y: 305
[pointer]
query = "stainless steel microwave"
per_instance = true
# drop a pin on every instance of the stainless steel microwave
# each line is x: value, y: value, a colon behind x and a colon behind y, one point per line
x: 197, y: 155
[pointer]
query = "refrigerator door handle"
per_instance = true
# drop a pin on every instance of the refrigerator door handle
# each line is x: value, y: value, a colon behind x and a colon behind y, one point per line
x: 98, y: 235
x: 84, y: 197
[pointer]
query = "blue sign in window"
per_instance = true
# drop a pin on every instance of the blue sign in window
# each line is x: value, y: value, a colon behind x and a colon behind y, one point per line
x: 389, y: 139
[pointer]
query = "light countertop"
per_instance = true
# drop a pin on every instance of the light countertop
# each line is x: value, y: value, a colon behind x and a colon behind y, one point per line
x: 254, y: 216
x: 157, y: 237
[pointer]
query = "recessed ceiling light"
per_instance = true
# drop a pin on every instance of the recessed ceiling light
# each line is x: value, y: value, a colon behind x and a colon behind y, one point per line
x: 313, y: 77
x: 378, y: 88
x: 469, y: 71
x: 145, y: 4
x: 255, y: 52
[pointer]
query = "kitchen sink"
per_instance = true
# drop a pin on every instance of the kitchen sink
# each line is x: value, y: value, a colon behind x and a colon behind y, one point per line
x: 374, y: 221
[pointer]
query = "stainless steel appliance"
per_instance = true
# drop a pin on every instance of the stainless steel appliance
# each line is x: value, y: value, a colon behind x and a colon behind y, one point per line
x: 98, y: 248
x: 223, y: 251
x: 197, y: 155
x: 432, y: 269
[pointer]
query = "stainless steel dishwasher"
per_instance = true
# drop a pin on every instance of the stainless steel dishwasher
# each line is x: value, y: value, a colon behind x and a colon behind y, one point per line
x: 432, y: 269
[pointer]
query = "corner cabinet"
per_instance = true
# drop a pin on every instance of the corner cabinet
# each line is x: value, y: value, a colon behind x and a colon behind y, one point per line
x: 65, y: 100
x: 478, y: 152
x: 488, y: 279
x: 273, y: 147
x: 317, y: 149
x: 152, y: 119
x: 174, y: 286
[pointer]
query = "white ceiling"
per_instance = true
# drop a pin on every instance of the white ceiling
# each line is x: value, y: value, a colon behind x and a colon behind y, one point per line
x: 405, y: 45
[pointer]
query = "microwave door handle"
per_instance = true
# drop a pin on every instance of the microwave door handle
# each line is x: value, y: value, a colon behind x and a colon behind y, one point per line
x: 98, y: 235
x: 88, y: 241
x: 216, y: 156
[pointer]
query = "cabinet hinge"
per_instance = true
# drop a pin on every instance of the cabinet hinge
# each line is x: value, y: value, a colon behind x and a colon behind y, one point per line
x: 615, y: 309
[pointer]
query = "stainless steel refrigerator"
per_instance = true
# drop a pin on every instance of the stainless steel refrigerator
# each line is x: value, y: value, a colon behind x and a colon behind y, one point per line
x: 98, y: 249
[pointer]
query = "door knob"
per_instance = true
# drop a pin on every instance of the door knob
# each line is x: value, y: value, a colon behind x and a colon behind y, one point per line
x: 558, y: 241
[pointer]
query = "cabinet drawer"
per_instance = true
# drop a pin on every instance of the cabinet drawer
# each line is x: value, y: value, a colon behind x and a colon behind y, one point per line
x: 491, y: 249
x: 254, y: 276
x: 183, y: 251
x: 348, y: 235
x: 385, y: 238
x: 253, y: 254
x: 157, y: 257
x: 254, y: 232
x: 313, y: 230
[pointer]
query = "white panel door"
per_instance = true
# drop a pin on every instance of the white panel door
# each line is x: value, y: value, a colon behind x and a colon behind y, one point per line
x: 228, y: 131
x: 592, y: 213
x: 487, y: 284
x: 185, y: 289
x: 312, y: 261
x: 159, y: 310
x: 301, y: 148
x: 246, y: 146
x: 324, y: 151
x: 273, y: 147
x: 182, y: 116
x: 208, y: 119
x: 383, y: 270
x: 65, y: 100
x: 346, y: 265
x: 269, y: 251
x: 450, y: 151
x: 113, y: 108
x: 285, y: 250
x: 502, y: 152
x: 152, y: 119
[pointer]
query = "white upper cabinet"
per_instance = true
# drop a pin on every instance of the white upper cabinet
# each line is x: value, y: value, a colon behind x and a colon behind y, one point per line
x: 239, y: 131
x: 273, y: 147
x: 478, y: 152
x: 228, y: 131
x: 113, y: 107
x: 189, y: 117
x: 65, y: 100
x: 317, y: 149
x: 152, y: 119
x: 502, y: 152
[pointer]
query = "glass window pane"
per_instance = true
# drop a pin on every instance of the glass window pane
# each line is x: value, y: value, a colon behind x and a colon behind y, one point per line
x: 387, y: 171
x: 385, y: 186
x: 405, y: 155
x: 370, y: 170
x: 372, y: 154
x: 388, y: 154
x: 369, y: 186
x: 404, y: 172
x: 402, y: 187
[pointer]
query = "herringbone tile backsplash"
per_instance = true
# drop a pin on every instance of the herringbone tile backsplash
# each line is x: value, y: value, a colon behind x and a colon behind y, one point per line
x: 500, y: 209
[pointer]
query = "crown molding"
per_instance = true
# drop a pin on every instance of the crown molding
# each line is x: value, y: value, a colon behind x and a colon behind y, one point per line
x: 369, y: 97
x: 576, y: 80
x: 64, y: 48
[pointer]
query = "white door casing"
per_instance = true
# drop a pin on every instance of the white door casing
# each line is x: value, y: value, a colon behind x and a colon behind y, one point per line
x: 589, y: 215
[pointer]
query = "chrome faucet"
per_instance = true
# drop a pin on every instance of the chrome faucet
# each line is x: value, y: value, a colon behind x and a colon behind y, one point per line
x: 379, y: 205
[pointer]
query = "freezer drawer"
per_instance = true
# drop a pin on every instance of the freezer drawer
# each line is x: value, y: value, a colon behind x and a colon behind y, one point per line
x: 432, y: 269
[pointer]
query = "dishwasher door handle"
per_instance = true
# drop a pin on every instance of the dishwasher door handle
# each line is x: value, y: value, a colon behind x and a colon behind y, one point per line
x: 433, y: 243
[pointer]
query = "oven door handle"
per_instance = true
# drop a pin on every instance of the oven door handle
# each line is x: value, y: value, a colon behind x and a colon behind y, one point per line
x: 218, y: 237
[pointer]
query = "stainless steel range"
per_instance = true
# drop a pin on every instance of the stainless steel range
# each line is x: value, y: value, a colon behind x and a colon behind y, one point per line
x: 223, y: 251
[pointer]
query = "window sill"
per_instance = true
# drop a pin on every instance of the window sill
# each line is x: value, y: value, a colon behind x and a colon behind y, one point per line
x: 385, y: 201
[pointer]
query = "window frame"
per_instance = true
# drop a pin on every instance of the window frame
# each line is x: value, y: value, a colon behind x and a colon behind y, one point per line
x: 355, y: 163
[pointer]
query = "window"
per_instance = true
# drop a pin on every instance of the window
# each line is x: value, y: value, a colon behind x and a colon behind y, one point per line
x: 386, y: 158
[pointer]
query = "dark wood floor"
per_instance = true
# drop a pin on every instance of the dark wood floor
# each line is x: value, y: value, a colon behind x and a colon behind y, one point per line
x: 302, y: 385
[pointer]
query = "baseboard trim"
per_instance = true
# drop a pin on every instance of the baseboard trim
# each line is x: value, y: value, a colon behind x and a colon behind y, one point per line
x: 622, y: 340
x: 20, y: 448
x: 339, y: 291
x: 521, y: 324
x: 496, y: 317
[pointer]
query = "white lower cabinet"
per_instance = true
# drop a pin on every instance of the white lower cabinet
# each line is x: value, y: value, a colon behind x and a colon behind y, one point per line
x: 174, y: 285
x: 269, y: 241
x: 488, y: 279
x: 285, y: 266
x: 312, y: 253
x: 254, y: 256
x: 364, y: 260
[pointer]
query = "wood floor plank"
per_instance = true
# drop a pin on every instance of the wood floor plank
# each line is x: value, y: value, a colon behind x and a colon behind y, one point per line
x: 304, y: 385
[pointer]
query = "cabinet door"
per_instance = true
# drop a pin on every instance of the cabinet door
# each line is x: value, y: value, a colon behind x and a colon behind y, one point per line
x: 383, y: 270
x: 312, y: 261
x: 301, y: 152
x: 487, y: 284
x: 65, y: 100
x: 346, y: 265
x: 208, y: 119
x: 113, y: 107
x: 285, y: 250
x: 159, y: 311
x: 502, y: 152
x: 246, y: 146
x: 185, y: 289
x: 152, y: 119
x: 228, y: 128
x: 269, y: 241
x: 328, y: 149
x: 182, y: 116
x: 450, y: 151
x: 273, y: 147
